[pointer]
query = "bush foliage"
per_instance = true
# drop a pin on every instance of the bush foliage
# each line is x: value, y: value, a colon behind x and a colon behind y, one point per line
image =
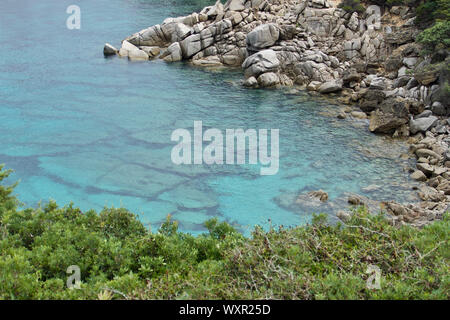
x: 358, y: 5
x: 120, y: 259
x: 436, y: 37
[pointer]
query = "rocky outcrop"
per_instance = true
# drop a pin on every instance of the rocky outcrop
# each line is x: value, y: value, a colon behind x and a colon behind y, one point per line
x: 310, y: 41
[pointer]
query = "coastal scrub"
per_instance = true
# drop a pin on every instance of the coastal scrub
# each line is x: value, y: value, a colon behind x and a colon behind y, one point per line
x: 121, y: 259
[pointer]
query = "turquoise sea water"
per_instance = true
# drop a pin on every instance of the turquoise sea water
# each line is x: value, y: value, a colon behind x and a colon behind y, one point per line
x: 78, y: 127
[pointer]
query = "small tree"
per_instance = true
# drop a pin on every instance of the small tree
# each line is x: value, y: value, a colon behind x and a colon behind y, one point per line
x: 7, y: 201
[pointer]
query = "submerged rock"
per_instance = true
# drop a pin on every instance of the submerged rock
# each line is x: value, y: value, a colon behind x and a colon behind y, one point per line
x: 320, y: 194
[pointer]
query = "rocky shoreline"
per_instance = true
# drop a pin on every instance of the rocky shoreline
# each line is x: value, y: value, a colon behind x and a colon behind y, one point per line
x: 371, y: 61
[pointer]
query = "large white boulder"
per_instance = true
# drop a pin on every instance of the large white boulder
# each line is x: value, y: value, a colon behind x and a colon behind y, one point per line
x: 263, y: 36
x: 182, y: 31
x: 268, y: 79
x: 126, y: 48
x: 422, y: 124
x: 261, y: 62
x: 191, y: 45
x: 330, y: 86
x: 137, y: 55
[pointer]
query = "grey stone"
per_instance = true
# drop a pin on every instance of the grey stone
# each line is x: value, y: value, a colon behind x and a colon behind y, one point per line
x: 378, y: 83
x: 401, y: 82
x: 371, y: 100
x: 261, y: 62
x: 425, y: 168
x: 424, y: 153
x: 109, y: 50
x: 411, y: 84
x: 151, y: 51
x: 268, y: 79
x: 358, y: 115
x: 439, y: 109
x: 314, y: 85
x: 410, y: 62
x: 424, y: 114
x: 251, y: 82
x: 235, y: 5
x: 393, y: 63
x: 191, y: 45
x: 263, y: 36
x: 216, y: 10
x: 128, y: 46
x: 137, y: 55
x: 422, y: 124
x: 353, y: 23
x: 330, y: 86
x: 403, y: 72
x: 182, y: 31
x: 418, y: 176
x: 152, y: 36
x: 390, y: 115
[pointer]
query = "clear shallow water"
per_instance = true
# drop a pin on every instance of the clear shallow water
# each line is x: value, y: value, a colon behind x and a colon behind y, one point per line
x: 78, y: 127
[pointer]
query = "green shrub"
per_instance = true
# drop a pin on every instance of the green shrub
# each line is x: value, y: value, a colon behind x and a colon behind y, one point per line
x: 352, y: 6
x: 436, y: 37
x: 357, y: 5
x: 120, y: 259
x: 433, y: 10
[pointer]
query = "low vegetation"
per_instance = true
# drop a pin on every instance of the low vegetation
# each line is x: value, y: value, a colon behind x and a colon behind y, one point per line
x: 120, y: 259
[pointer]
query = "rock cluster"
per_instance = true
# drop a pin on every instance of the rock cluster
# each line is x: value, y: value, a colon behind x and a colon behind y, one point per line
x: 306, y: 42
